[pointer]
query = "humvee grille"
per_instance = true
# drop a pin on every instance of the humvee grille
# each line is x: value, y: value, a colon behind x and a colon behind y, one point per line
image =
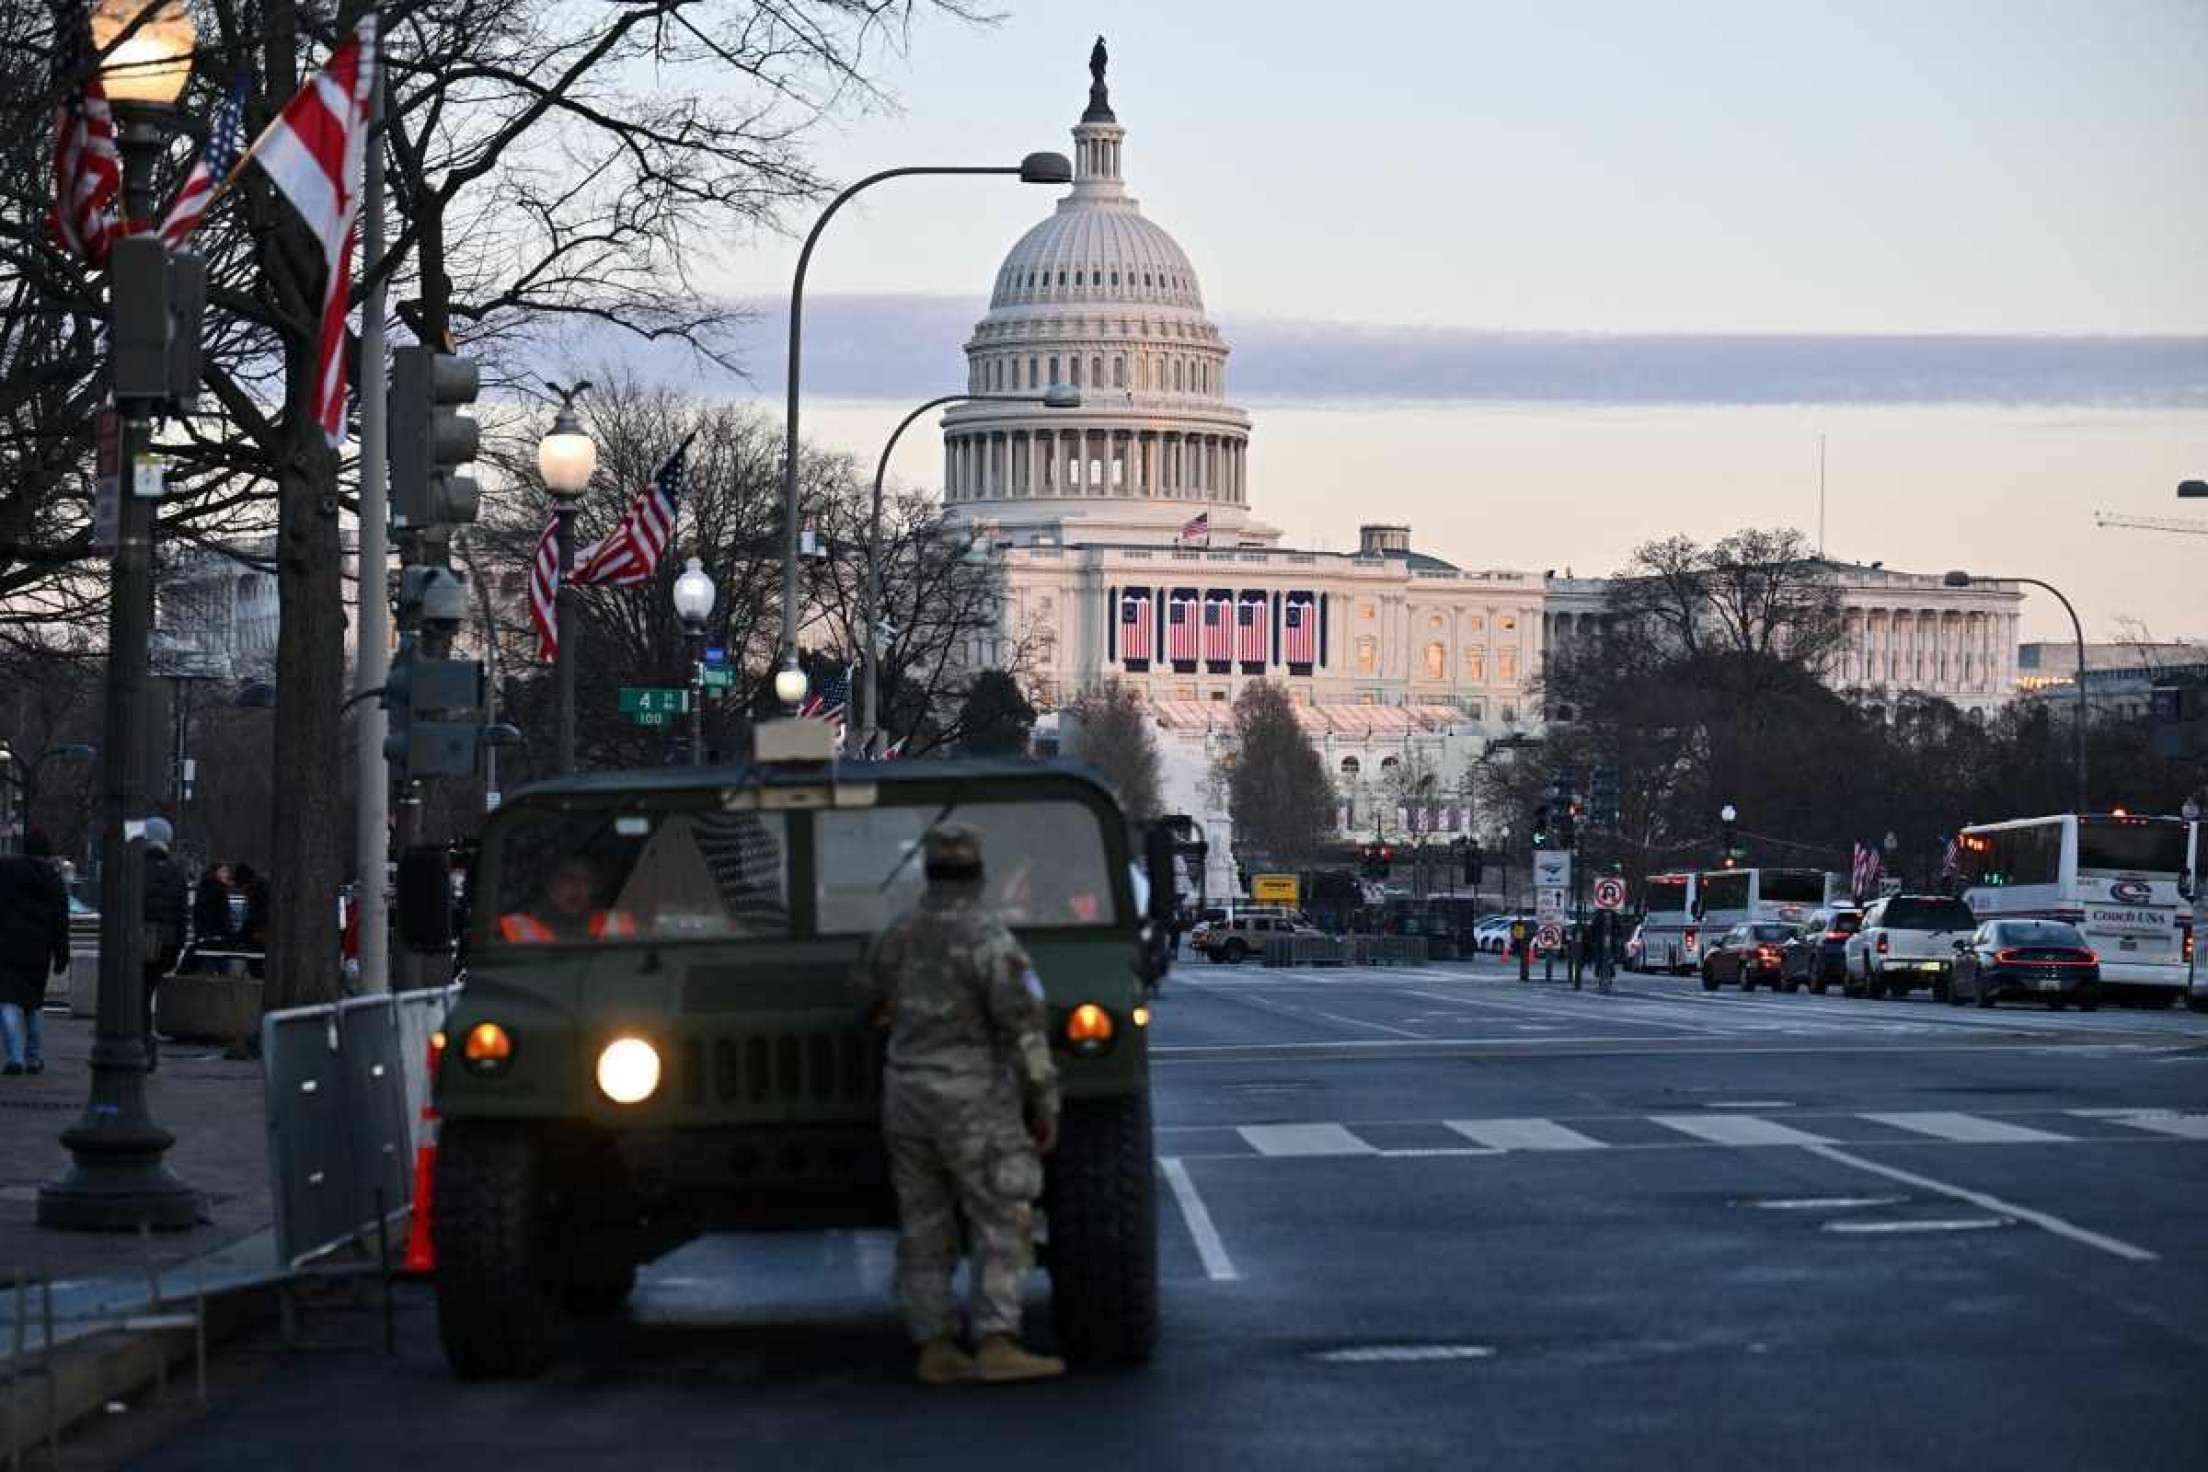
x: 782, y: 1068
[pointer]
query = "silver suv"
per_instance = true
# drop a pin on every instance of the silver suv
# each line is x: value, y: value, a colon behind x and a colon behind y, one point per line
x: 1235, y: 940
x: 1907, y: 940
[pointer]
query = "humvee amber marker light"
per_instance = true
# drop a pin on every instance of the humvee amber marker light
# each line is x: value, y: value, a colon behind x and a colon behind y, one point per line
x: 488, y: 1047
x: 628, y: 1070
x: 1089, y: 1028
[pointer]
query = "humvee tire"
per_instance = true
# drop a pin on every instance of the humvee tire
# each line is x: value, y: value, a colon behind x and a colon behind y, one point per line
x: 494, y: 1311
x: 1103, y: 1206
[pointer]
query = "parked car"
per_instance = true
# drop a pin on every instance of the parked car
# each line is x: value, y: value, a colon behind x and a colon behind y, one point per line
x: 1766, y: 951
x: 1906, y: 941
x: 2046, y: 959
x: 1832, y: 926
x: 1493, y: 934
x: 1233, y: 941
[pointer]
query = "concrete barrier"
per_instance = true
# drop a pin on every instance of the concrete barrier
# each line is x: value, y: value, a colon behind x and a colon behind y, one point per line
x: 208, y: 1009
x: 84, y: 984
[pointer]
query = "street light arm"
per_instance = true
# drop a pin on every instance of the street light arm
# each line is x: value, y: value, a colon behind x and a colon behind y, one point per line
x: 789, y: 415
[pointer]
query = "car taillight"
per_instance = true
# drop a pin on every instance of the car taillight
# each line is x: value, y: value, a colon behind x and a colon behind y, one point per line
x: 1882, y: 945
x: 1693, y: 939
x: 2093, y: 958
x: 1767, y: 953
x: 2005, y: 957
x: 1836, y: 935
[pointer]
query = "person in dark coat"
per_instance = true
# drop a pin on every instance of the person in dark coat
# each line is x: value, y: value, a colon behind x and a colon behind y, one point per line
x: 168, y: 902
x: 211, y: 908
x: 34, y: 941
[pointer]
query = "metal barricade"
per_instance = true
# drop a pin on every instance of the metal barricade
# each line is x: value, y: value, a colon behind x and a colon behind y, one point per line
x: 345, y: 1083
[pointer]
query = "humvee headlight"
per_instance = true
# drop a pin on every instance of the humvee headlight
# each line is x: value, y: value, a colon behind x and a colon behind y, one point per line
x: 1142, y: 1016
x: 488, y: 1048
x: 1089, y: 1029
x: 628, y: 1070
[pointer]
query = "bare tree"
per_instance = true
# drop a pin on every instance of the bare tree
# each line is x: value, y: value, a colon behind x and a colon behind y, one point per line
x: 1278, y: 792
x: 1110, y: 730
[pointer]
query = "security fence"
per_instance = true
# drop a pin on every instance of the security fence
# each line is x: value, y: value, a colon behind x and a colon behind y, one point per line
x: 1345, y: 950
x: 346, y: 1084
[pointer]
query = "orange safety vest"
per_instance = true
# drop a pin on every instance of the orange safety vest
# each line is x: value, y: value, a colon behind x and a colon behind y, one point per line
x: 612, y: 925
x: 524, y: 929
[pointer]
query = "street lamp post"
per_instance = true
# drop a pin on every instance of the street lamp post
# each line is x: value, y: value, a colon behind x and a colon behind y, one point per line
x: 566, y: 458
x: 1057, y: 396
x: 694, y: 605
x: 1036, y: 168
x: 1961, y: 579
x: 117, y: 1179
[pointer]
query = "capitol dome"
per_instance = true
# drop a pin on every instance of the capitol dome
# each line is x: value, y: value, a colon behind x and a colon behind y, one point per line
x: 1100, y: 299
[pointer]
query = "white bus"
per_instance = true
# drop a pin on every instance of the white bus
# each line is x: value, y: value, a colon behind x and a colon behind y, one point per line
x: 2113, y: 876
x: 1732, y: 897
x: 1670, y: 935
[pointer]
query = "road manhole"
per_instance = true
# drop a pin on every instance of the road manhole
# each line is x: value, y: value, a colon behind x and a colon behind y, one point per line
x: 1403, y: 1354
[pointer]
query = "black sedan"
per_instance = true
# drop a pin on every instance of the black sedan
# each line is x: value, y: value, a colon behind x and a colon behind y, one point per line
x: 1774, y: 954
x: 2044, y: 959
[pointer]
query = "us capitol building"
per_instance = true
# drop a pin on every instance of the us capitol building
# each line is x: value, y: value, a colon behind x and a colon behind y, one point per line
x: 1133, y: 552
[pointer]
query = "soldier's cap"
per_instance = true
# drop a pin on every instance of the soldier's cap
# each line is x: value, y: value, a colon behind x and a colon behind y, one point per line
x: 952, y: 851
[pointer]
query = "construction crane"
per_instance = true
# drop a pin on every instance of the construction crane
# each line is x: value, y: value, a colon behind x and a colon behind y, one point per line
x: 2152, y: 523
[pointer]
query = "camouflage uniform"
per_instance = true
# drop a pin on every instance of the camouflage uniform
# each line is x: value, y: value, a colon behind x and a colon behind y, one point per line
x: 969, y: 1071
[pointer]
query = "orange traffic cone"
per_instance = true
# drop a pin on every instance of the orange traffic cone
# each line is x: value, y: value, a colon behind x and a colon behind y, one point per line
x: 421, y: 1254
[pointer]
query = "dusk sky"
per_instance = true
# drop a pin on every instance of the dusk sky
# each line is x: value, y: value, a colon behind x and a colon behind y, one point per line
x: 1549, y: 281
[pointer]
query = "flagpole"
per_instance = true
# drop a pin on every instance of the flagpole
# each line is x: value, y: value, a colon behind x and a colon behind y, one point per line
x: 372, y: 630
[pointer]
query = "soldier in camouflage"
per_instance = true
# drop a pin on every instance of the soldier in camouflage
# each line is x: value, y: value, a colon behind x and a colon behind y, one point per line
x: 970, y: 1105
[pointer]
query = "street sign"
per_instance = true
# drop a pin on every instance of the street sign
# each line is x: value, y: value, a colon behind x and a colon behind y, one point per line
x: 1551, y: 938
x: 653, y: 700
x: 651, y: 718
x: 107, y: 473
x: 716, y: 677
x: 1552, y: 868
x: 1273, y: 889
x: 716, y: 654
x: 1609, y: 893
x: 1550, y: 904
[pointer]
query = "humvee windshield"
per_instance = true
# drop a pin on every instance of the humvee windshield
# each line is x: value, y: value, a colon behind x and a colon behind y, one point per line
x: 581, y: 877
x: 585, y: 878
x: 1043, y: 863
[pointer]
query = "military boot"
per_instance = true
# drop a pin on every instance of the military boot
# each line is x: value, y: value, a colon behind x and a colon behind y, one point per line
x: 1000, y: 1358
x: 942, y: 1362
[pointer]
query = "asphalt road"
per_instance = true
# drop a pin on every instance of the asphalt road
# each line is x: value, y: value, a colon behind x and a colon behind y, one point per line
x: 1431, y: 1217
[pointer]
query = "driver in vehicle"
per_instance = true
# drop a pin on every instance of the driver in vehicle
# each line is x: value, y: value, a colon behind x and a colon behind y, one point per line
x: 567, y: 910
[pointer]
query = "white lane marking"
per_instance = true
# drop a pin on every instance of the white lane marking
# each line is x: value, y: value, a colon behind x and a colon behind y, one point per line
x: 1437, y: 1151
x: 1942, y: 1224
x: 1737, y: 1129
x: 2043, y: 1220
x: 2161, y: 1121
x: 1303, y: 1139
x: 1749, y: 1104
x: 1404, y: 1354
x: 1967, y: 1129
x: 1209, y: 1248
x: 1523, y: 1134
x: 1826, y: 1203
x: 1401, y: 1032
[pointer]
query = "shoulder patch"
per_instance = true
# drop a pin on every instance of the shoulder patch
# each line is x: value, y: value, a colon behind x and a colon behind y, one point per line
x: 1033, y: 983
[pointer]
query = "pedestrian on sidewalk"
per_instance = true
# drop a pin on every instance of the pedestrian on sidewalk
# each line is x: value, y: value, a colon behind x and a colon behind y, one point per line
x: 167, y: 904
x: 969, y: 1107
x: 34, y: 939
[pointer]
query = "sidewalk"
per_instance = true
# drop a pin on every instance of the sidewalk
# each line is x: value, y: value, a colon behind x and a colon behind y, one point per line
x: 215, y: 1109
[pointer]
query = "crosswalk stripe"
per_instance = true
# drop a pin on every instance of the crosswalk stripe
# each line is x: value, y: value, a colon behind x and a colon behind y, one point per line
x: 1523, y: 1134
x: 1967, y: 1129
x: 2161, y: 1121
x: 1738, y: 1129
x: 1303, y: 1139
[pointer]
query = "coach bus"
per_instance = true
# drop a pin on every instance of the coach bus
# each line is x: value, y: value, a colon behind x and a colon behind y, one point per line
x: 1732, y: 897
x: 1670, y: 935
x: 2112, y: 875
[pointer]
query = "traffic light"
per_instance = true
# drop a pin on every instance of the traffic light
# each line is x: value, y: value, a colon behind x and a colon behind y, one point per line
x: 1541, y: 826
x: 435, y: 729
x: 430, y: 439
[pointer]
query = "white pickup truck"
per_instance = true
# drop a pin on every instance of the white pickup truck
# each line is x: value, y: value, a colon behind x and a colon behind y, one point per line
x: 1907, y: 940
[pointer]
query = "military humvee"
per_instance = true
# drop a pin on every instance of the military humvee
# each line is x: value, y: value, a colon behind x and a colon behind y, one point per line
x: 657, y: 1038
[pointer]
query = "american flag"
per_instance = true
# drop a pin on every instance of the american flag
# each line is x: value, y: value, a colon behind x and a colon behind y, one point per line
x: 225, y: 134
x: 1219, y: 628
x: 1249, y: 631
x: 1196, y: 526
x: 627, y: 555
x: 1863, y: 875
x: 1299, y: 633
x: 831, y: 702
x: 1951, y: 863
x: 1134, y: 627
x: 1181, y: 638
x: 312, y: 152
x: 544, y: 587
x: 88, y: 172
